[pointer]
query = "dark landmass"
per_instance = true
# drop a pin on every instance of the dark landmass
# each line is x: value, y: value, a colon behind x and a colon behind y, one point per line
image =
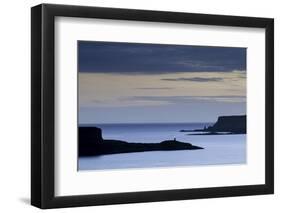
x: 187, y: 130
x: 235, y: 124
x: 213, y: 133
x: 91, y: 143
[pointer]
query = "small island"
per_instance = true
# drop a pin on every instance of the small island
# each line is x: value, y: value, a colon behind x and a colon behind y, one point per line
x: 234, y: 124
x: 91, y: 143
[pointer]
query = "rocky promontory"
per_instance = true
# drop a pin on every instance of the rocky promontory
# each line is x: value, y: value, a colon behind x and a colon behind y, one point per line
x: 91, y: 143
x: 234, y: 124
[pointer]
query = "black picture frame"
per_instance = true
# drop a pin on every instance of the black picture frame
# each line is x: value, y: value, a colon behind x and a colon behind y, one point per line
x: 43, y: 102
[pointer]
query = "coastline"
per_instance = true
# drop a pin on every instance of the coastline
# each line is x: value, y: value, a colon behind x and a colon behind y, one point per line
x: 91, y: 143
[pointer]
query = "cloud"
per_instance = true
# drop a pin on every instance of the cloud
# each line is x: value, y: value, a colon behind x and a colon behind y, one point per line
x: 137, y: 58
x: 194, y: 79
x: 154, y: 88
x: 189, y: 99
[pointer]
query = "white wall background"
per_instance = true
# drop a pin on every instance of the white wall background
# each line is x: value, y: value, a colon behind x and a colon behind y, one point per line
x: 15, y: 105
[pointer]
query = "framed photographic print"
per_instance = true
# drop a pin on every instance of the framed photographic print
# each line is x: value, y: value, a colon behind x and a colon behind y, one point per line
x: 139, y: 106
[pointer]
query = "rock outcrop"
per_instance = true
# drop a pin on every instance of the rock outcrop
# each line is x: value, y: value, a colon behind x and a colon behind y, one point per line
x: 91, y: 143
x: 234, y: 124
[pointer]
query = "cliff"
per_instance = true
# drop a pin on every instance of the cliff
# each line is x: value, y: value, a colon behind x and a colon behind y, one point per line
x: 91, y: 143
x: 234, y: 124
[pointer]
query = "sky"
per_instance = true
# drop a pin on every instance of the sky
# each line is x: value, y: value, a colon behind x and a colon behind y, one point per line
x: 159, y: 83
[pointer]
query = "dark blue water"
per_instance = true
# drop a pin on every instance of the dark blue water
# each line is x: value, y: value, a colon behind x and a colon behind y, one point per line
x: 218, y: 149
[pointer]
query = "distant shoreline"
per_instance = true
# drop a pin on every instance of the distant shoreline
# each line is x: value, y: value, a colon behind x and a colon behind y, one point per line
x: 155, y: 123
x: 225, y: 125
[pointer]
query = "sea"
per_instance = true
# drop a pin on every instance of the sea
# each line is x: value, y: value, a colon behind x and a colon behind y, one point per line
x: 218, y: 149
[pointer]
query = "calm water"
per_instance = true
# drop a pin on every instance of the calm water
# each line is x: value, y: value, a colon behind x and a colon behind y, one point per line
x: 218, y: 149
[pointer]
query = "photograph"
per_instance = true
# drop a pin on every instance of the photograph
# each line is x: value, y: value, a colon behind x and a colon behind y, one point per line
x: 134, y: 105
x: 146, y: 105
